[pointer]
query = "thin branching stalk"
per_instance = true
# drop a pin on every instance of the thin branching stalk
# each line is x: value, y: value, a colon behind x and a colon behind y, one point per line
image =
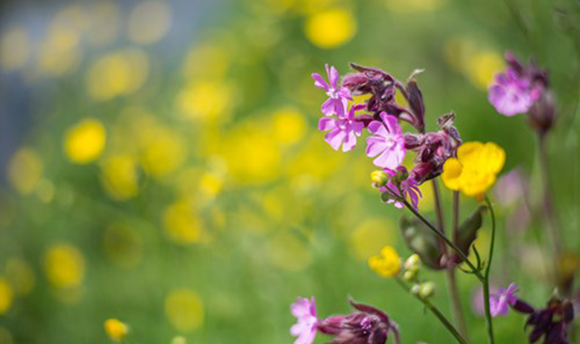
x: 451, y: 276
x: 450, y: 243
x: 488, y: 317
x: 433, y: 309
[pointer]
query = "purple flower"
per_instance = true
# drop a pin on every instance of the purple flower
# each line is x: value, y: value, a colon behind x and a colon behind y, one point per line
x: 367, y: 325
x: 305, y: 329
x: 512, y: 94
x: 338, y: 97
x: 499, y: 302
x: 407, y: 188
x: 342, y: 131
x: 387, y: 143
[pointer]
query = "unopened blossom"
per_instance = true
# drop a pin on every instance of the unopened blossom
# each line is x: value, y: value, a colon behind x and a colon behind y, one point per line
x: 551, y: 322
x: 387, y: 263
x: 475, y: 169
x: 342, y: 130
x: 338, y: 97
x: 387, y: 144
x: 367, y: 325
x: 500, y: 301
x: 305, y: 312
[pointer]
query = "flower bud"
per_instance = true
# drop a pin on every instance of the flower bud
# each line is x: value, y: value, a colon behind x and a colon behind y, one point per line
x: 427, y: 289
x: 416, y: 289
x: 379, y: 178
x: 410, y: 275
x: 413, y: 262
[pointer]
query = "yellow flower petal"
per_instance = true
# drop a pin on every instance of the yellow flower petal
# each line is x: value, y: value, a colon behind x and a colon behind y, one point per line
x: 451, y: 174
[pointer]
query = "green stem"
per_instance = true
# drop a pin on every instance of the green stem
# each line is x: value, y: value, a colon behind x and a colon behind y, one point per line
x: 447, y: 240
x: 488, y: 318
x: 451, y: 276
x: 431, y: 307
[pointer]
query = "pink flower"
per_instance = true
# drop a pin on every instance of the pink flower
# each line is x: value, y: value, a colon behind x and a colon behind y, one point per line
x: 305, y: 329
x: 387, y: 143
x: 342, y: 131
x: 499, y: 302
x: 408, y: 187
x: 512, y: 94
x: 338, y: 98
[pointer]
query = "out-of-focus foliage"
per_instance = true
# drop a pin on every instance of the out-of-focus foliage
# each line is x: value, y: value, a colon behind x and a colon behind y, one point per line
x: 161, y: 162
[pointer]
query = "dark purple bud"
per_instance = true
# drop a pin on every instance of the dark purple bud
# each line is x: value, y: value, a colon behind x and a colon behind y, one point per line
x: 373, y: 73
x: 424, y: 171
x: 514, y: 63
x: 415, y: 100
x: 356, y: 83
x: 543, y: 112
x: 412, y: 141
x: 567, y: 311
x: 522, y: 307
x: 366, y: 326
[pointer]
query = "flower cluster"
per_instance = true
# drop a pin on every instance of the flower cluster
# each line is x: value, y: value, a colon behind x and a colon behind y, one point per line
x: 387, y: 264
x: 386, y: 144
x: 475, y: 169
x: 523, y: 89
x: 550, y: 322
x: 366, y: 325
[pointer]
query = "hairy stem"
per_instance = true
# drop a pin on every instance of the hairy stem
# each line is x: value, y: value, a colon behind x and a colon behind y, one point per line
x: 433, y: 309
x: 488, y: 318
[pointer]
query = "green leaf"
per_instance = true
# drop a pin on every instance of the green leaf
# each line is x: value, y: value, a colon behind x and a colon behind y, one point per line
x: 467, y: 231
x: 421, y: 240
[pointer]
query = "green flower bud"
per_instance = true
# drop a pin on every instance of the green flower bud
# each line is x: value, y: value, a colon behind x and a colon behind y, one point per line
x: 409, y: 275
x: 379, y: 178
x: 416, y: 289
x: 427, y: 289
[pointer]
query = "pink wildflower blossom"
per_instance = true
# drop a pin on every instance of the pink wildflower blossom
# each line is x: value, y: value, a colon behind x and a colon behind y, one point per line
x: 387, y: 143
x: 305, y: 329
x: 342, y: 131
x: 338, y: 97
x: 499, y: 302
x: 512, y: 94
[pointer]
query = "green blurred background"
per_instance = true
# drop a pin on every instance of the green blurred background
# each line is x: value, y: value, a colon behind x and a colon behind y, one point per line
x: 161, y: 163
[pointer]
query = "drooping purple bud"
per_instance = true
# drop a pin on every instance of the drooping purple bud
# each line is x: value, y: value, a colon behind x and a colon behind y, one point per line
x: 415, y: 100
x: 367, y: 325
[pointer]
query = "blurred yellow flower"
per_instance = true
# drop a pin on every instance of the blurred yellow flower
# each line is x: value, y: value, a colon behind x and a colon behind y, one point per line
x: 117, y: 73
x: 59, y: 53
x: 184, y: 310
x: 210, y: 184
x: 14, y: 49
x: 330, y: 28
x: 116, y: 329
x: 289, y: 125
x: 163, y: 152
x: 104, y: 19
x: 25, y: 170
x: 207, y: 100
x: 252, y: 154
x: 85, y: 141
x: 20, y: 275
x: 149, y: 21
x: 474, y: 170
x: 208, y: 60
x: 178, y: 340
x: 119, y: 176
x: 483, y: 66
x: 64, y: 265
x: 123, y: 245
x: 387, y: 264
x: 6, y: 295
x: 368, y: 237
x: 182, y: 223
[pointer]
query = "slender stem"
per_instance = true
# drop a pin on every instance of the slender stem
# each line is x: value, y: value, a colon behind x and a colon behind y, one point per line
x: 547, y: 208
x: 488, y: 318
x: 447, y: 240
x: 431, y: 307
x: 451, y: 277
